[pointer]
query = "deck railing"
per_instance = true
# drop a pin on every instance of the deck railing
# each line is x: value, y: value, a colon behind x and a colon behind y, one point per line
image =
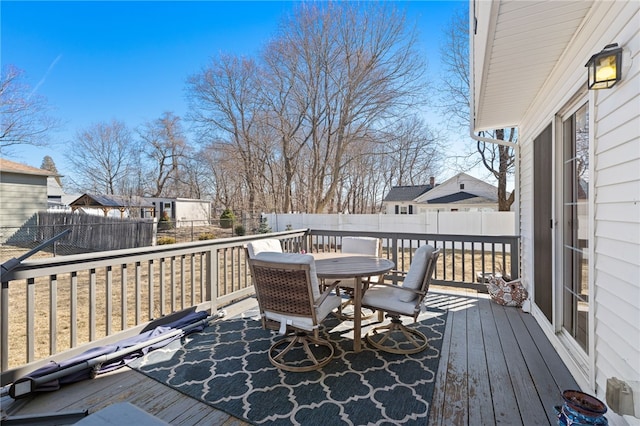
x: 465, y: 260
x: 69, y: 303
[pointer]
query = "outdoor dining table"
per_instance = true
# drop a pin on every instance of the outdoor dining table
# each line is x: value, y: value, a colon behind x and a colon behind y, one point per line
x: 351, y: 266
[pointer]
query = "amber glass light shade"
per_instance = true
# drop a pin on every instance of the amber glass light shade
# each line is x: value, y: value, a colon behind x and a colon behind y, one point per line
x: 605, y: 67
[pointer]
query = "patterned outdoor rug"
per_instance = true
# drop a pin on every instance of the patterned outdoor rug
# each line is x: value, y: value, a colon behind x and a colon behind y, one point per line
x: 227, y: 366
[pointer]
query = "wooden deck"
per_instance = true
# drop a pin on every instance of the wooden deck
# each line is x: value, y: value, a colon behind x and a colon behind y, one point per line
x: 496, y: 367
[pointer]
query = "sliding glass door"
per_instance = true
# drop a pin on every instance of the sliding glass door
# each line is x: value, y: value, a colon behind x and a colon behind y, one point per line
x: 575, y: 225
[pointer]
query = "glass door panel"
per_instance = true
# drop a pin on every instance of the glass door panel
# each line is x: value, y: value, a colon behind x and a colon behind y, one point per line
x: 575, y: 174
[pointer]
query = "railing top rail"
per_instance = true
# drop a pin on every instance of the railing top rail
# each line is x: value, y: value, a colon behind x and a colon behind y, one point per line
x: 419, y: 236
x: 62, y: 264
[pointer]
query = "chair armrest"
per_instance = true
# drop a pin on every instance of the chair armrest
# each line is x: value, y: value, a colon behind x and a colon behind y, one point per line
x: 399, y: 287
x: 326, y: 292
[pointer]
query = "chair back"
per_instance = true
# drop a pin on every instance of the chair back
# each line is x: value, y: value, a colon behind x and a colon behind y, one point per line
x: 420, y: 272
x: 361, y: 245
x: 264, y: 245
x: 285, y: 285
x: 431, y: 267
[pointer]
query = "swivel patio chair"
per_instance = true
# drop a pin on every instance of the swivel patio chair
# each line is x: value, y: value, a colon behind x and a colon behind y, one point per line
x: 402, y: 300
x: 289, y: 300
x: 362, y: 246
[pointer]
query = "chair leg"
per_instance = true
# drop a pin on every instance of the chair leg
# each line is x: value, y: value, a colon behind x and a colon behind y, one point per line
x: 311, y: 361
x: 391, y: 332
x: 365, y: 313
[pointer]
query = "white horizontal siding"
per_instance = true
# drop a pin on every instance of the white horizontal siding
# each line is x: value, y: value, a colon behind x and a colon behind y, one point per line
x: 615, y: 237
x: 617, y: 214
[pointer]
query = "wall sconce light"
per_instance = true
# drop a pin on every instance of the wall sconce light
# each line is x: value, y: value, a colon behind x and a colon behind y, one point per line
x: 605, y: 67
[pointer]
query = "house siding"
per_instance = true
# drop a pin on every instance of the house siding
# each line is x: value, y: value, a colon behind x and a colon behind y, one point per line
x: 615, y: 193
x: 21, y: 196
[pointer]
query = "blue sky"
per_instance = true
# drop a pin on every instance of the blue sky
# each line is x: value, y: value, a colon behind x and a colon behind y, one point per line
x: 98, y: 61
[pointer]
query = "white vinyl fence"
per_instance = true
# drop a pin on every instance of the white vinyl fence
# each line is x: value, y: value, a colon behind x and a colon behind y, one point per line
x: 459, y: 223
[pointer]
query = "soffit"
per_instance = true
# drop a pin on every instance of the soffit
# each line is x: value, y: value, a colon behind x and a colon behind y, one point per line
x: 515, y: 51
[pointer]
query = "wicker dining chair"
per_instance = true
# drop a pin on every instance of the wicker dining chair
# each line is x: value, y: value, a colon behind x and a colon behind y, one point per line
x: 290, y: 301
x: 402, y: 300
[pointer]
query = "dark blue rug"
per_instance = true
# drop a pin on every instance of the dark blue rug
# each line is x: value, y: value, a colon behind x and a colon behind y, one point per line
x: 227, y: 366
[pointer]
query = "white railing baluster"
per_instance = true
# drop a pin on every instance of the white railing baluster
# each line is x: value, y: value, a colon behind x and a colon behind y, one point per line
x: 138, y: 292
x: 92, y: 304
x: 4, y: 326
x: 151, y: 279
x: 172, y: 287
x: 53, y: 316
x: 73, y: 314
x: 182, y: 282
x: 193, y: 279
x: 31, y: 317
x: 109, y: 299
x: 123, y: 297
x: 161, y: 285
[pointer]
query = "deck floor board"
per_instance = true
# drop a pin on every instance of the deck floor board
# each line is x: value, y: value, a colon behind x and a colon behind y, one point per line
x: 496, y: 367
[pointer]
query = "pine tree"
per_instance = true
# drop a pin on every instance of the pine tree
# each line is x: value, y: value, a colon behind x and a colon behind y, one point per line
x: 48, y: 164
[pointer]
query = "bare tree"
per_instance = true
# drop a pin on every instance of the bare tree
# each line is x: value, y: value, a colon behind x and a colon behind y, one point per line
x: 224, y: 106
x: 497, y: 159
x: 414, y: 152
x: 301, y: 123
x: 102, y: 157
x: 287, y: 101
x: 25, y: 118
x: 359, y: 69
x: 164, y: 145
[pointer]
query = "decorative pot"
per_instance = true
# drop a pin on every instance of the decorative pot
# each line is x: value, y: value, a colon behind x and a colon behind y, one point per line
x: 581, y: 409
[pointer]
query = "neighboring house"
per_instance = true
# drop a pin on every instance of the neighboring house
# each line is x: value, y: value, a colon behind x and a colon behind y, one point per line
x: 459, y: 193
x: 183, y: 211
x: 55, y: 194
x: 23, y: 192
x: 580, y: 245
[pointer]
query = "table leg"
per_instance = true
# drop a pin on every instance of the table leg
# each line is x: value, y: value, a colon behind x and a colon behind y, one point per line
x: 357, y: 314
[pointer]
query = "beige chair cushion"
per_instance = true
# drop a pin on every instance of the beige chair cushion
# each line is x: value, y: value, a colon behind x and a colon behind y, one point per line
x: 361, y: 245
x: 266, y: 245
x: 388, y: 299
x: 417, y: 269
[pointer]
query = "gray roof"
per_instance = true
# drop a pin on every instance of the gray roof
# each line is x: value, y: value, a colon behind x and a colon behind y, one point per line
x: 115, y: 201
x: 406, y: 193
x: 459, y: 197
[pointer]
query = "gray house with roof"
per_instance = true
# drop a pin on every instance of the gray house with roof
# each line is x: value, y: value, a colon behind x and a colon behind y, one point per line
x: 459, y: 193
x: 23, y: 192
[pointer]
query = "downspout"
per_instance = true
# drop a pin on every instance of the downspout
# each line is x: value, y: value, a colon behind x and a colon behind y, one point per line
x: 473, y: 21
